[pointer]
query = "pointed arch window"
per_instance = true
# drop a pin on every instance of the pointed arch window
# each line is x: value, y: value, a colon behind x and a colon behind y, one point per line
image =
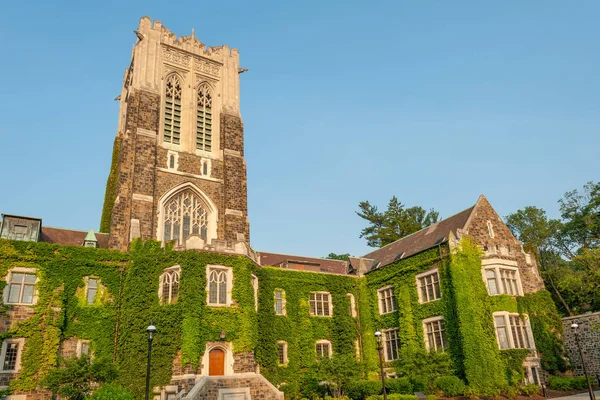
x: 172, y: 125
x: 219, y: 285
x: 204, y: 118
x: 169, y: 285
x: 185, y: 214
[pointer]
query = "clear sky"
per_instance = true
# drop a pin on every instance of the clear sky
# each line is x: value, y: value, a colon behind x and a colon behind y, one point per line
x: 435, y: 102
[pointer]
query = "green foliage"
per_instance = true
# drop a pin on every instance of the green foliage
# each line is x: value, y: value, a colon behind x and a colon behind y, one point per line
x: 450, y: 386
x: 75, y: 380
x: 394, y: 223
x: 530, y: 390
x: 341, y: 257
x: 339, y: 372
x: 513, y: 365
x: 567, y: 382
x: 510, y: 392
x: 399, y: 385
x: 110, y: 391
x: 359, y: 390
x: 110, y: 195
x: 394, y: 396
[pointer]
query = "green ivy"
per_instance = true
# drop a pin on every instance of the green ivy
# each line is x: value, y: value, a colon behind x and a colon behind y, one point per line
x: 110, y: 195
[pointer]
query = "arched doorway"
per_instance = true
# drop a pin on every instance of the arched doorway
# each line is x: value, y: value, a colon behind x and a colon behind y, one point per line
x: 216, y: 362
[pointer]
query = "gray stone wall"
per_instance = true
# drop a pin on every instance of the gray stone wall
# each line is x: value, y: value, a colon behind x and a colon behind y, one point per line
x: 589, y: 338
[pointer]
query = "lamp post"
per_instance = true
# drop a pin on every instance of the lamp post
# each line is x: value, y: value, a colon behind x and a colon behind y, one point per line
x: 378, y: 336
x: 151, y: 329
x: 575, y: 328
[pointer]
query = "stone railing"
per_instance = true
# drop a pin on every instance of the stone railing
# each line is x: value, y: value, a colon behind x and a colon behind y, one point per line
x: 234, y: 387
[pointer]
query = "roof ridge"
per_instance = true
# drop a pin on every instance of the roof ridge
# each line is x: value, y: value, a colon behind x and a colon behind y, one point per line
x: 295, y: 255
x: 420, y: 230
x: 72, y: 230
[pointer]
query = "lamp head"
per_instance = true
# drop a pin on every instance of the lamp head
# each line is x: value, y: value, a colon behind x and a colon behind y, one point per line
x: 151, y: 328
x: 222, y: 335
x: 378, y: 334
x: 574, y: 325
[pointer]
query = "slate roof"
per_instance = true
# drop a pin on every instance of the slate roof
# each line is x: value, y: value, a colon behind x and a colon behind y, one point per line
x: 70, y: 237
x: 313, y: 264
x: 419, y: 241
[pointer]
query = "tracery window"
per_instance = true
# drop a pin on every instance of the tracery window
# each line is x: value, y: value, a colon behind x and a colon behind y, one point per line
x: 185, y: 215
x: 169, y: 285
x: 172, y: 124
x: 217, y: 287
x: 204, y: 118
x: 503, y: 280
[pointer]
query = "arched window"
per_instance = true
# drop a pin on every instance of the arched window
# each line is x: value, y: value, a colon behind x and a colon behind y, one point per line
x: 352, y: 305
x: 185, y: 215
x: 204, y: 118
x: 169, y: 285
x: 217, y: 287
x: 172, y: 127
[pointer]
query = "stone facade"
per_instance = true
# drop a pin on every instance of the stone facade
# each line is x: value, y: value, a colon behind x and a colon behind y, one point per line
x: 589, y: 340
x: 147, y: 177
x: 252, y: 386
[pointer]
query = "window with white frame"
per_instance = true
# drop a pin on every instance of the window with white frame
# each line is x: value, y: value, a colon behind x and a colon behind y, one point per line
x: 169, y: 285
x: 185, y: 214
x: 204, y: 118
x: 320, y: 304
x: 91, y: 289
x: 84, y: 349
x: 279, y: 302
x: 387, y: 301
x: 255, y: 289
x: 219, y: 285
x: 21, y: 287
x: 512, y: 331
x: 10, y: 355
x: 282, y: 358
x: 323, y: 348
x: 531, y: 375
x: 172, y: 112
x: 428, y: 286
x: 352, y: 305
x: 435, y: 334
x: 502, y: 277
x: 391, y: 344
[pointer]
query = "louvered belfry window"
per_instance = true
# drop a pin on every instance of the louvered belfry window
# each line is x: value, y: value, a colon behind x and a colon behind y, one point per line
x: 204, y: 118
x: 172, y: 128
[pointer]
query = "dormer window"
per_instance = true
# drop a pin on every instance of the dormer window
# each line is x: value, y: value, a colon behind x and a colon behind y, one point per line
x: 20, y: 228
x: 90, y: 240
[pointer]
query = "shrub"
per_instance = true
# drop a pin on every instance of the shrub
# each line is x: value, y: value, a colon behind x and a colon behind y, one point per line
x: 567, y: 383
x: 432, y: 397
x: 399, y: 385
x: 110, y: 391
x: 360, y: 390
x: 394, y: 396
x: 450, y: 385
x: 530, y: 390
x: 510, y: 392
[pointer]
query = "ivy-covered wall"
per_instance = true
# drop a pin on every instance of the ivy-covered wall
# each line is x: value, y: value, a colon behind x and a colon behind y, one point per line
x: 110, y: 195
x: 129, y: 301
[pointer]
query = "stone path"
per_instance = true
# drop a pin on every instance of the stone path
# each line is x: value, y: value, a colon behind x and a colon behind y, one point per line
x: 579, y: 396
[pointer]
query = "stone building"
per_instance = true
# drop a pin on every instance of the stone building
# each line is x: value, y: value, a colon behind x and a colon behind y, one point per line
x: 251, y: 322
x: 588, y: 332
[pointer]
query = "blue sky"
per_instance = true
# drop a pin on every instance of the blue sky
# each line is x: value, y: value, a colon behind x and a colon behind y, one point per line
x: 435, y: 102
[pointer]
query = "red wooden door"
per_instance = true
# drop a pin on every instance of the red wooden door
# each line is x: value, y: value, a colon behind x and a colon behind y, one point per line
x: 216, y: 362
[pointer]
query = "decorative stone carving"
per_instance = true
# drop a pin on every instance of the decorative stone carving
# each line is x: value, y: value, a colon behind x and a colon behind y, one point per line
x: 206, y: 67
x: 176, y: 57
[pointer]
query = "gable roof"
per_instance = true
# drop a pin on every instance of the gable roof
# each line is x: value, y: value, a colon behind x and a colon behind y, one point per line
x: 424, y: 239
x: 70, y: 237
x: 302, y: 263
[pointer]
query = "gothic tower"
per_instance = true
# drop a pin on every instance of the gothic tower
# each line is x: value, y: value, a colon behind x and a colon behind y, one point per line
x: 178, y: 171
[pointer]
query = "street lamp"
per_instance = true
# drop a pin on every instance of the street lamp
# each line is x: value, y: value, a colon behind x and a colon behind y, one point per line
x: 151, y: 329
x: 378, y: 336
x: 575, y: 328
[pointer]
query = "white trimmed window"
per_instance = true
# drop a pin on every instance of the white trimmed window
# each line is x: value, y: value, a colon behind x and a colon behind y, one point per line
x: 172, y: 160
x: 435, y: 334
x: 279, y: 302
x: 513, y: 331
x: 531, y: 373
x: 387, y: 301
x: 84, y: 349
x: 282, y: 358
x: 219, y: 285
x: 323, y: 349
x: 172, y: 113
x: 169, y: 285
x: 10, y: 355
x: 352, y: 305
x: 20, y: 288
x: 320, y: 304
x: 255, y: 289
x: 204, y: 118
x: 428, y: 285
x: 91, y: 289
x: 502, y: 277
x: 391, y: 344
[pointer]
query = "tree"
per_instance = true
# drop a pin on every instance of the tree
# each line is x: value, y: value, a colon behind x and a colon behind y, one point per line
x: 339, y: 372
x: 395, y: 223
x: 341, y: 257
x: 567, y: 250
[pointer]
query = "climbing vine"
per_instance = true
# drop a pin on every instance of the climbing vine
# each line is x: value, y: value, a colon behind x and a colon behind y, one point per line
x: 110, y: 195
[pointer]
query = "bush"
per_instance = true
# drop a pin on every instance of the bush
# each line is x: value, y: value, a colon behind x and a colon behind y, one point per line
x: 530, y: 390
x: 394, y: 396
x: 510, y: 392
x: 110, y: 391
x: 399, y: 385
x: 567, y: 383
x: 360, y: 390
x: 450, y: 386
x: 432, y: 397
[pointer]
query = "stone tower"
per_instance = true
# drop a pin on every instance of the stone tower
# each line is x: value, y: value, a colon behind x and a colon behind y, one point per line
x: 178, y: 171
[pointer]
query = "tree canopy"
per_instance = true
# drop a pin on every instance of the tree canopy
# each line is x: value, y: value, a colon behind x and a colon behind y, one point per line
x: 398, y: 221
